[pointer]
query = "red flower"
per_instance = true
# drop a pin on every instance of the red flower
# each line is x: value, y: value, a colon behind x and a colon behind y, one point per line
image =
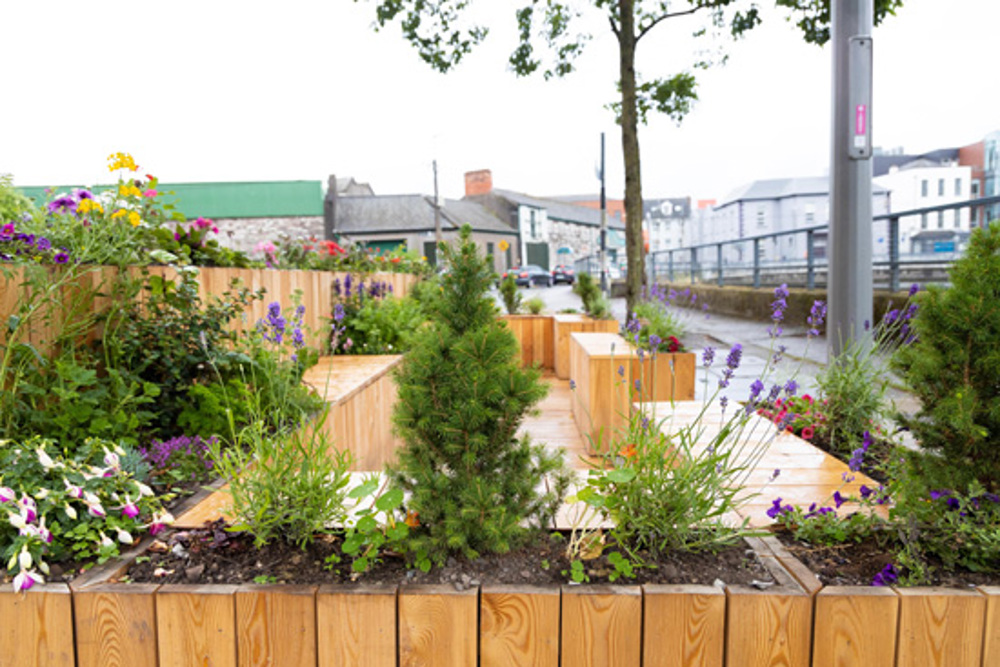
x: 394, y: 260
x: 628, y: 451
x: 675, y: 345
x: 807, y: 433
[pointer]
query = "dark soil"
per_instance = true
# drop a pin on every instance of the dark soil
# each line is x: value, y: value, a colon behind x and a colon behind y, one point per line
x: 215, y: 556
x: 856, y: 564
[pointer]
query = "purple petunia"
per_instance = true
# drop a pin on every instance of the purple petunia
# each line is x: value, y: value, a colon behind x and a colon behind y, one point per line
x: 887, y: 577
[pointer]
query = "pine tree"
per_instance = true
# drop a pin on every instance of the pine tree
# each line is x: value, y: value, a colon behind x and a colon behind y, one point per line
x: 474, y: 485
x: 953, y: 366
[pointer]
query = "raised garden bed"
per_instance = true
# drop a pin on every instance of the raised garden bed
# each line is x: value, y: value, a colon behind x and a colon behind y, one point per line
x: 535, y: 340
x: 564, y: 325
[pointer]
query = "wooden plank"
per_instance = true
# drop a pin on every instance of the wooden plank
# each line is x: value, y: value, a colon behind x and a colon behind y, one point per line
x: 991, y: 636
x: 356, y: 626
x: 36, y: 627
x: 601, y: 625
x: 437, y: 626
x: 115, y: 625
x: 196, y: 625
x: 276, y: 626
x: 855, y: 625
x: 683, y: 626
x: 940, y: 626
x: 519, y: 626
x: 771, y: 627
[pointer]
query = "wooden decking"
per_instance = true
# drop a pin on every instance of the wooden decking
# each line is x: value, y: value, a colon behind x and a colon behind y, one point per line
x: 807, y: 474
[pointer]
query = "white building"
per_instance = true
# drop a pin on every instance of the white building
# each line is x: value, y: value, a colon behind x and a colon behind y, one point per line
x: 667, y: 223
x: 926, y: 182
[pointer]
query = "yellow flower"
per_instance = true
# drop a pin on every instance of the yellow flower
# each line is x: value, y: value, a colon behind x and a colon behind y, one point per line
x: 129, y: 191
x: 134, y: 219
x: 121, y: 161
x: 88, y: 205
x: 117, y: 214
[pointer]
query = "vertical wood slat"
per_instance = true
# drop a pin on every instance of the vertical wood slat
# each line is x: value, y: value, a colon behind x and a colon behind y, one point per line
x: 36, y: 627
x: 535, y: 339
x: 601, y: 625
x: 855, y: 625
x: 438, y: 626
x: 991, y: 635
x: 276, y: 626
x: 519, y: 626
x: 940, y: 626
x: 356, y: 627
x: 196, y: 625
x: 766, y: 628
x: 683, y: 626
x: 116, y: 625
x: 563, y: 326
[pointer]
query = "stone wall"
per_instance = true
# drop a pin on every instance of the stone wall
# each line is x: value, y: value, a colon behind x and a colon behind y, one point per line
x: 245, y: 233
x: 583, y: 239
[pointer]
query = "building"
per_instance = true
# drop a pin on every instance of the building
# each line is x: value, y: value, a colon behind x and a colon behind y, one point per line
x: 778, y: 205
x: 550, y: 232
x: 667, y: 223
x: 929, y: 180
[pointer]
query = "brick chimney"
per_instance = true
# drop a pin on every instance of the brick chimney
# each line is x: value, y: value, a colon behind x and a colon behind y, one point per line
x: 478, y: 182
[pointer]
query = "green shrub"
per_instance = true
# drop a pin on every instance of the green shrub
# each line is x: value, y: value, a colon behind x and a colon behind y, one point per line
x: 474, y: 483
x: 661, y: 325
x: 384, y: 326
x: 588, y: 290
x: 510, y: 294
x: 535, y: 305
x: 952, y: 366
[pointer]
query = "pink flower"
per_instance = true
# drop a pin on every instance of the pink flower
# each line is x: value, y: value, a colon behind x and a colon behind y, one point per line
x: 202, y: 223
x: 73, y: 490
x: 25, y: 579
x: 7, y: 494
x: 95, y: 509
x: 28, y: 508
x: 807, y: 433
x: 150, y: 193
x: 130, y: 510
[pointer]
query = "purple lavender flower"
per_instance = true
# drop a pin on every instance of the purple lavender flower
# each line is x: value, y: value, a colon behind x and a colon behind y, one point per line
x: 755, y: 389
x: 817, y: 315
x: 338, y: 312
x: 708, y: 356
x: 914, y: 288
x: 654, y: 342
x: 735, y: 355
x: 791, y: 387
x: 572, y: 385
x: 637, y: 384
x: 347, y: 286
x: 336, y: 286
x: 887, y: 577
x: 621, y: 371
x: 724, y: 401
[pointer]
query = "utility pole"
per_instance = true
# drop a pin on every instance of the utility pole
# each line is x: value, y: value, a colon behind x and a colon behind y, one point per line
x: 603, y: 256
x: 849, y: 279
x: 437, y: 206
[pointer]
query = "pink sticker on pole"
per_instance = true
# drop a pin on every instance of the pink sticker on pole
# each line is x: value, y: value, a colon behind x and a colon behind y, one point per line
x: 860, y: 119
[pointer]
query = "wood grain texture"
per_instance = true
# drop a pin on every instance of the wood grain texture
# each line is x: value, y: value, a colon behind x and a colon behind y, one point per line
x: 276, y: 626
x: 115, y: 625
x: 991, y: 634
x: 196, y: 625
x: 563, y: 326
x: 771, y: 627
x: 940, y: 626
x: 683, y: 626
x: 855, y: 625
x: 519, y: 626
x: 438, y: 626
x: 36, y: 628
x: 356, y: 627
x: 534, y: 334
x: 601, y: 625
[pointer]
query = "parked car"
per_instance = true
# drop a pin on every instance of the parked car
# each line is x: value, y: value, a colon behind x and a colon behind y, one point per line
x: 528, y: 275
x: 563, y: 274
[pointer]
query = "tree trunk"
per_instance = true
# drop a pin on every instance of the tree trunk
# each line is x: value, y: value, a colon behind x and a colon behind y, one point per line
x: 630, y: 151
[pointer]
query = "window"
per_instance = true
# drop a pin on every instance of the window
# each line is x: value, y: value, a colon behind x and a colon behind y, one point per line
x: 761, y: 220
x: 940, y: 219
x: 958, y: 187
x: 958, y: 218
x: 923, y: 188
x: 940, y: 187
x: 810, y: 215
x: 975, y: 189
x: 534, y: 224
x: 923, y: 221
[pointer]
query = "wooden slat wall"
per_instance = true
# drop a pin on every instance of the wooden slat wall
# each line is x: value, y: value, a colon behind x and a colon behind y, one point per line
x: 601, y: 625
x: 438, y: 626
x: 940, y: 626
x: 519, y: 626
x: 116, y: 625
x: 564, y: 325
x: 196, y: 625
x: 991, y: 635
x: 213, y: 281
x: 356, y: 627
x: 683, y: 625
x: 276, y: 626
x: 36, y: 628
x: 855, y: 625
x: 535, y: 338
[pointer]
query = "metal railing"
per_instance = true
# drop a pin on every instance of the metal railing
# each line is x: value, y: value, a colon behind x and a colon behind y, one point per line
x: 767, y: 259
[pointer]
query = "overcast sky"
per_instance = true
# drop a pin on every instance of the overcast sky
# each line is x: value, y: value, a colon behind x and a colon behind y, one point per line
x: 216, y: 90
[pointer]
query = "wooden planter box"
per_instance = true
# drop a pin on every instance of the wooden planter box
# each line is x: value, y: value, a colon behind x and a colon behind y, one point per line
x: 534, y: 338
x: 605, y: 369
x: 564, y: 325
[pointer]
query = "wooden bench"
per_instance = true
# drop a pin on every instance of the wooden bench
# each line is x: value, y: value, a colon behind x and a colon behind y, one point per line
x: 604, y: 369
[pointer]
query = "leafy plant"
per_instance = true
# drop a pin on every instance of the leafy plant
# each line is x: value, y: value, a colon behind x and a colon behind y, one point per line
x: 535, y: 305
x: 510, y: 294
x: 180, y: 458
x: 660, y: 326
x: 462, y: 396
x: 375, y: 526
x: 384, y: 326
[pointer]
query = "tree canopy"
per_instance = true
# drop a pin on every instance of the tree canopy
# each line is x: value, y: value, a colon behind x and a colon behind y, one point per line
x: 549, y: 44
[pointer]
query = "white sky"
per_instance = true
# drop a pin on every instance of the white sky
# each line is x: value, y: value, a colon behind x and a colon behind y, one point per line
x: 217, y: 90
